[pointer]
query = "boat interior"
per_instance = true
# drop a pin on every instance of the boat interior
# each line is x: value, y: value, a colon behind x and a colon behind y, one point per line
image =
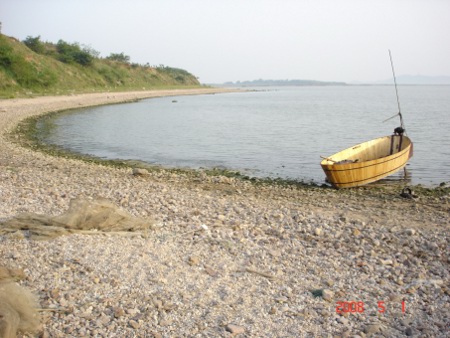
x: 370, y: 150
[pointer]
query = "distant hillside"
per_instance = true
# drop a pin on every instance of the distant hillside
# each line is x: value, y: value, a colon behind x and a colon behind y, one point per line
x: 419, y: 80
x: 277, y: 83
x: 36, y: 67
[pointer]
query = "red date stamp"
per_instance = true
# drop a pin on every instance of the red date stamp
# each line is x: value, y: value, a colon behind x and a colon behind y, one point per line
x: 359, y: 307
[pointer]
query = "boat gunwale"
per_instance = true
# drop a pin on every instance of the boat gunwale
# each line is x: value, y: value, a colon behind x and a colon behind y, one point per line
x: 364, y: 164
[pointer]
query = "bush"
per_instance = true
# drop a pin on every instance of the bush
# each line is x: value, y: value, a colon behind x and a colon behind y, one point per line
x: 6, y: 56
x: 72, y: 53
x: 35, y: 44
x: 119, y: 57
x: 91, y: 51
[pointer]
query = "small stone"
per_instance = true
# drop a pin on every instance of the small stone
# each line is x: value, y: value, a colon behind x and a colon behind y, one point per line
x: 158, y: 303
x: 329, y: 282
x: 309, y: 313
x: 405, y: 322
x: 140, y: 172
x: 327, y: 294
x: 69, y: 329
x: 165, y: 322
x: 275, y: 253
x: 285, y: 308
x: 211, y: 272
x: 395, y: 298
x: 410, y: 232
x: 281, y: 299
x: 356, y: 232
x: 235, y: 329
x: 168, y: 307
x: 55, y: 293
x: 346, y: 334
x: 132, y: 311
x: 411, y: 290
x: 103, y: 320
x: 118, y: 312
x: 194, y: 260
x: 345, y: 314
x: 318, y: 231
x: 373, y: 328
x: 342, y: 320
x: 409, y: 331
x: 134, y: 324
x: 386, y: 262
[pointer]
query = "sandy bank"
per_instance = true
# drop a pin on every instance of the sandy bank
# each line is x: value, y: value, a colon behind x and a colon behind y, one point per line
x: 226, y: 257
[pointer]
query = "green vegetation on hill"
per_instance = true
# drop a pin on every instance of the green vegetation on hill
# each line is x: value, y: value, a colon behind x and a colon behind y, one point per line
x: 43, y: 68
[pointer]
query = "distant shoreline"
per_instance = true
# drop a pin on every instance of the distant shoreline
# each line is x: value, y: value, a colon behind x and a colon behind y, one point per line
x: 404, y: 80
x: 23, y: 109
x: 240, y: 85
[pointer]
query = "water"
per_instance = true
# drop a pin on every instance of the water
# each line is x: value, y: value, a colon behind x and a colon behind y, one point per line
x: 271, y: 132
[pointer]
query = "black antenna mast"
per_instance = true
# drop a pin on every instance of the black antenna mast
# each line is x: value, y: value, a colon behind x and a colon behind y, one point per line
x: 396, y: 92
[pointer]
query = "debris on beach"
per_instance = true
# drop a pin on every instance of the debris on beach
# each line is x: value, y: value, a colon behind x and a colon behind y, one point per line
x: 18, y: 306
x: 84, y: 215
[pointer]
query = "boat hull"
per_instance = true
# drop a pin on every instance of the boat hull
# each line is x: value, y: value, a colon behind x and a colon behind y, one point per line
x: 368, y: 162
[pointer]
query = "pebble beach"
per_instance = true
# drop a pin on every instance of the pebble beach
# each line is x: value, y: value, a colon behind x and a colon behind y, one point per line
x: 224, y: 257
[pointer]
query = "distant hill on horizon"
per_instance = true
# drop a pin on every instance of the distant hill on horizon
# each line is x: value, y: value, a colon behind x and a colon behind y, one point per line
x: 417, y: 80
x: 401, y: 80
x: 277, y: 83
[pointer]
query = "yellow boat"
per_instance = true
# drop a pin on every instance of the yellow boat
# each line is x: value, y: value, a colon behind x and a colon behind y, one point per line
x: 372, y: 160
x: 368, y: 162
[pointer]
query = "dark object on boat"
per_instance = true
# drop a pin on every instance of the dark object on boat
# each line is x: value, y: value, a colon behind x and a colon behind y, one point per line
x: 399, y: 131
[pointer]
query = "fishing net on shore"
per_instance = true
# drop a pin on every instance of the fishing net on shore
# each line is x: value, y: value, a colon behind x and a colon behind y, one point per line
x: 83, y: 216
x: 18, y: 306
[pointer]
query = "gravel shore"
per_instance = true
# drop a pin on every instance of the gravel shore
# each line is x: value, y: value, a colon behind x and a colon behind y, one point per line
x: 225, y: 257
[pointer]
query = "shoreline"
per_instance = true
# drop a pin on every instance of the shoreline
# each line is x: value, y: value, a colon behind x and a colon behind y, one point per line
x: 225, y: 255
x: 27, y: 128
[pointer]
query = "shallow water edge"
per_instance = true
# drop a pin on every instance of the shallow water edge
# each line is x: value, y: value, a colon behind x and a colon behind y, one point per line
x: 27, y: 134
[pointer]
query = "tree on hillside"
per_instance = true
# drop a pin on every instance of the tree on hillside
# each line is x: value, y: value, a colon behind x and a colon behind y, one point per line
x: 72, y: 53
x: 91, y: 51
x: 35, y: 44
x: 119, y: 57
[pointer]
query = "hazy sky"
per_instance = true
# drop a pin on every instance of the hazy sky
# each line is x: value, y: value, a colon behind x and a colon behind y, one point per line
x: 231, y: 40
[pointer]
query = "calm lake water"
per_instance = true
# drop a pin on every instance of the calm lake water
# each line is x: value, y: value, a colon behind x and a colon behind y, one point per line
x: 269, y: 132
